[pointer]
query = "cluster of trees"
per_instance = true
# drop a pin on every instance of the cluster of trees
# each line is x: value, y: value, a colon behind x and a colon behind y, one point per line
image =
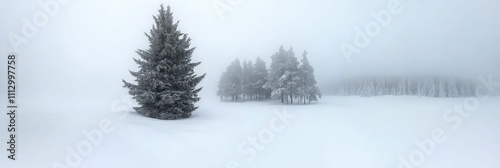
x: 421, y: 86
x: 244, y: 82
x: 287, y: 79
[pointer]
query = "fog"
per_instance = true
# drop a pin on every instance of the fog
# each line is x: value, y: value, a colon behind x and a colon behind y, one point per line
x: 86, y: 48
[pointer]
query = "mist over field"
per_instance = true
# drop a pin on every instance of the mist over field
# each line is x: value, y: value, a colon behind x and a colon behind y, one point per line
x: 89, y: 45
x: 72, y: 56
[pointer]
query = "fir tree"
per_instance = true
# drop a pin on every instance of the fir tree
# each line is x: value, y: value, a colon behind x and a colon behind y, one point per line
x: 289, y: 80
x: 308, y: 89
x: 452, y: 88
x: 234, y: 80
x: 247, y: 79
x: 166, y: 82
x: 442, y: 88
x: 260, y: 75
x: 276, y: 71
x: 223, y: 86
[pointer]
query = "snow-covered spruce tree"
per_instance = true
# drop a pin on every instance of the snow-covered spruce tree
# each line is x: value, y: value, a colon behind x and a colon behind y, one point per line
x: 433, y: 88
x: 223, y: 92
x: 452, y: 88
x: 247, y: 79
x: 260, y: 75
x: 276, y: 71
x: 166, y: 82
x: 368, y: 89
x: 308, y: 91
x: 442, y: 88
x: 290, y: 79
x: 234, y: 80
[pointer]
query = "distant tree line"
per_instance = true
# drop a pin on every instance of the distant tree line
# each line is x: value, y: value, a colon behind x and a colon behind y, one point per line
x: 430, y: 86
x: 287, y: 80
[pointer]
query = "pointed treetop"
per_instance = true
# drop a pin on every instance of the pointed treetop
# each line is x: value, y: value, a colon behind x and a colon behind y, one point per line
x: 282, y: 49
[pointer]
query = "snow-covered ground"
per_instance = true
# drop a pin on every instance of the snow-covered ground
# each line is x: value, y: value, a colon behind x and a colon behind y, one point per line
x: 355, y: 132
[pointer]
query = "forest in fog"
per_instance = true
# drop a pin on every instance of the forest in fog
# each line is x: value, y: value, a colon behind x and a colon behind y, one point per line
x: 432, y: 86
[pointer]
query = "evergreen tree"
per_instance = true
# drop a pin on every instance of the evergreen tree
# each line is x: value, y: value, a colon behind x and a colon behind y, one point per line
x: 235, y: 88
x: 260, y: 78
x: 381, y: 87
x: 368, y: 89
x: 422, y: 88
x: 452, y: 88
x: 442, y: 88
x: 308, y: 89
x: 223, y: 91
x: 431, y: 84
x: 166, y: 82
x: 290, y: 79
x: 402, y: 87
x: 276, y: 71
x: 247, y: 79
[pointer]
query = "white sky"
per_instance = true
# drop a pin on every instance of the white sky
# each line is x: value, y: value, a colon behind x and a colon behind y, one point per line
x: 89, y: 45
